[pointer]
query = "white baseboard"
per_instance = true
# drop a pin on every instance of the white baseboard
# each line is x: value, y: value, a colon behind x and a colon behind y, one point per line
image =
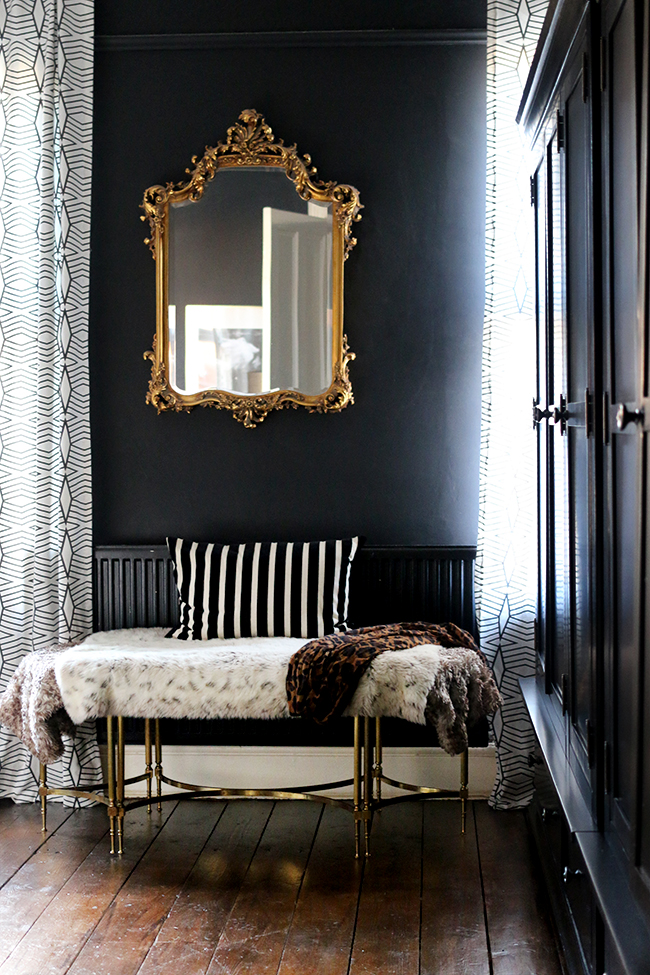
x: 260, y: 767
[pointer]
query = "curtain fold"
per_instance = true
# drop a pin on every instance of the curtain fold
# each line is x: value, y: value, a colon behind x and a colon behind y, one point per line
x: 506, y: 570
x: 46, y: 76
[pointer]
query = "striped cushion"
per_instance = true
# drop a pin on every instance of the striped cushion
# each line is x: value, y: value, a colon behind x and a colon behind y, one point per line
x: 297, y: 589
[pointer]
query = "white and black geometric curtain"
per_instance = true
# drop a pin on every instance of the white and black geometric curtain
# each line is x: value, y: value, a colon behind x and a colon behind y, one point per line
x: 506, y: 572
x: 46, y: 71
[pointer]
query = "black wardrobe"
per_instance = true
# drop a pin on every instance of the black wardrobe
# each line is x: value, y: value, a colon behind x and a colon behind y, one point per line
x: 585, y: 112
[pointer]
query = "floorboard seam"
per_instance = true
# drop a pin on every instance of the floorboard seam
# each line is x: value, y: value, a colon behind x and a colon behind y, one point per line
x: 356, y: 913
x: 421, y: 889
x: 300, y: 885
x: 199, y: 854
x: 117, y: 892
x: 480, y: 873
x: 234, y: 903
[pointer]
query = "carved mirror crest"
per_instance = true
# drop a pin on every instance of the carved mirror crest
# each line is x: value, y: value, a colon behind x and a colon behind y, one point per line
x: 249, y: 280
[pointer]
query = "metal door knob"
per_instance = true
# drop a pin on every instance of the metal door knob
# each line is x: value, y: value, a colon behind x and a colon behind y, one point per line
x: 625, y: 416
x: 560, y: 414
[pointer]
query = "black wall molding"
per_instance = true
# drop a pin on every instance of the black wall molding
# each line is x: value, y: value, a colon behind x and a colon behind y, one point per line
x: 279, y: 39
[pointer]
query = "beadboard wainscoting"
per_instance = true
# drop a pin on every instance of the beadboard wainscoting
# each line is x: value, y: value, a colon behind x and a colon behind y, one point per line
x: 134, y: 586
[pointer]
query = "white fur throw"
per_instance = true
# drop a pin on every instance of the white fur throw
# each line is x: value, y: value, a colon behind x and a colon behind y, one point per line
x: 140, y: 673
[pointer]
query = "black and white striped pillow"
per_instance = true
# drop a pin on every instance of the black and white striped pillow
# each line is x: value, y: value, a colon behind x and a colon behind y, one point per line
x: 297, y: 589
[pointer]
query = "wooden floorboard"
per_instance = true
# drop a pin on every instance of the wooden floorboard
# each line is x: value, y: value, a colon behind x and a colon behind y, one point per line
x: 387, y: 936
x: 187, y: 939
x: 256, y: 887
x: 56, y: 938
x: 41, y: 878
x: 20, y: 832
x: 127, y: 930
x: 325, y: 916
x: 518, y: 922
x: 254, y: 937
x: 454, y: 938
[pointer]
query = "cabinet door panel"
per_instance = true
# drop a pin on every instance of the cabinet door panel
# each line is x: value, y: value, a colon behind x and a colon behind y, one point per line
x: 542, y: 400
x: 644, y: 304
x: 566, y: 367
x: 625, y: 620
x: 623, y: 455
x: 557, y: 471
x: 580, y: 329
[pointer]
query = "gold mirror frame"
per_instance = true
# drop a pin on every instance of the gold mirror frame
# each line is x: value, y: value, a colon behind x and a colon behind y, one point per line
x: 250, y: 143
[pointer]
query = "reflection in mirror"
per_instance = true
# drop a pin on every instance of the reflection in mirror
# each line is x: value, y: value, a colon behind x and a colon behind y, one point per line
x: 250, y: 288
x: 249, y: 283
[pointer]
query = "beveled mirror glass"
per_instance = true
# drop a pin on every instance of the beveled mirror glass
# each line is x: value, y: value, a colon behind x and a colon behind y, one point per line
x: 249, y: 282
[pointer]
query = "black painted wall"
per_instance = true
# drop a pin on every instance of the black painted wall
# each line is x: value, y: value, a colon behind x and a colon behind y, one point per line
x: 405, y: 123
x: 205, y: 16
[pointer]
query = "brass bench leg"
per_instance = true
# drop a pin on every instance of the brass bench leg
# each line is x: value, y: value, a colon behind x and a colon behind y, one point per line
x: 112, y: 808
x: 357, y: 788
x: 159, y: 772
x: 367, y: 783
x: 120, y: 784
x: 43, y: 794
x: 147, y: 758
x: 378, y: 766
x: 464, y: 791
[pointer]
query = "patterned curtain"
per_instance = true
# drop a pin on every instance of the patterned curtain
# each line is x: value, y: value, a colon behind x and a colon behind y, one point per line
x: 46, y: 61
x: 507, y: 557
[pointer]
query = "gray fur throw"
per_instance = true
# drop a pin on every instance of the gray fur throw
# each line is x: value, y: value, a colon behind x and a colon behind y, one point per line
x: 32, y: 708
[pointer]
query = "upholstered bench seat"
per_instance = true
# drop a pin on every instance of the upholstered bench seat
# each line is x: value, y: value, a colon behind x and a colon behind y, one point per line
x: 141, y: 673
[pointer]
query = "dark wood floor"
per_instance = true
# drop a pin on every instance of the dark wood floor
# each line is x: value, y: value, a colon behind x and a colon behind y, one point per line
x: 255, y: 887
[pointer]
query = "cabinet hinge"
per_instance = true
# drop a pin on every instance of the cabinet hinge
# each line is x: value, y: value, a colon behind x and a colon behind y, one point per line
x: 585, y: 76
x: 564, y: 691
x: 591, y: 747
x: 533, y: 191
x: 561, y: 134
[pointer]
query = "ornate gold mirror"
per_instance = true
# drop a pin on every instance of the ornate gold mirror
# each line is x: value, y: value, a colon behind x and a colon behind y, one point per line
x: 249, y: 280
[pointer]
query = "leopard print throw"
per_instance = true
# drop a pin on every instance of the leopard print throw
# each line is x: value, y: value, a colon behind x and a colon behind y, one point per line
x: 323, y: 675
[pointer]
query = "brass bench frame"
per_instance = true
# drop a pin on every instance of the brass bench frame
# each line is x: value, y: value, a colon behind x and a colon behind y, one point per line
x: 367, y: 780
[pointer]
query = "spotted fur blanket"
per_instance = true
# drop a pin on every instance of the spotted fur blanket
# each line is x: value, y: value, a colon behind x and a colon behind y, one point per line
x: 140, y: 673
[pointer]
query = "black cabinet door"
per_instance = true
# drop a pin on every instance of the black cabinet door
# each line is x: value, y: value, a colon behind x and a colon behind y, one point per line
x: 543, y: 397
x: 554, y: 620
x: 590, y: 100
x: 624, y: 404
x: 579, y: 401
x: 564, y: 197
x: 644, y: 326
